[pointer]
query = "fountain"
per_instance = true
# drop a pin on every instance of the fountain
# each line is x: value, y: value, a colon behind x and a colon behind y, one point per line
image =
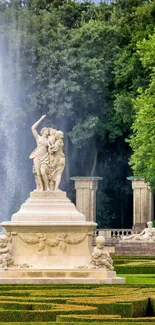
x: 14, y: 183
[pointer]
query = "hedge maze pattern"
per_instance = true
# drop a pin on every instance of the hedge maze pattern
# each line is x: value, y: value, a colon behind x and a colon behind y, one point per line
x: 77, y: 304
x: 134, y: 264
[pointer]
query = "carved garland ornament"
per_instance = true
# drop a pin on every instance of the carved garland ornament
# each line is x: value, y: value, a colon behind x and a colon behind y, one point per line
x: 61, y: 241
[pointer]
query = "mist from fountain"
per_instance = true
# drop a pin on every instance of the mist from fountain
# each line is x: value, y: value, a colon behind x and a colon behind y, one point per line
x: 14, y: 184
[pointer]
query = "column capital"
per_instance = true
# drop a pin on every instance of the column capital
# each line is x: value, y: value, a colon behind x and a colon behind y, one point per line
x: 86, y: 182
x: 138, y: 182
x: 85, y: 178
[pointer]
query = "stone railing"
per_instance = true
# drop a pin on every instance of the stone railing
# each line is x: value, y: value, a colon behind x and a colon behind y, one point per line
x: 114, y: 233
x: 112, y: 236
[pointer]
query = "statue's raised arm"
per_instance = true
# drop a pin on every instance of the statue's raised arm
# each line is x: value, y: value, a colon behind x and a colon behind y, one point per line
x: 40, y: 156
x: 34, y: 127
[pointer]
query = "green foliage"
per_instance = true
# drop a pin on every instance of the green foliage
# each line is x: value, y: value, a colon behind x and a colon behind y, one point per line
x: 82, y: 64
x: 134, y: 264
x: 113, y: 304
x: 135, y: 269
x: 142, y: 140
x: 88, y: 318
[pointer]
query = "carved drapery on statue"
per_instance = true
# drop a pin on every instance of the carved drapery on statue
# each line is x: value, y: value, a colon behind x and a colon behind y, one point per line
x: 48, y: 157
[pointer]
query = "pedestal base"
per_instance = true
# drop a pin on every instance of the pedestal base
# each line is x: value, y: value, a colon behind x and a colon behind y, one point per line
x: 40, y: 276
x: 137, y: 248
x: 49, y: 241
x: 50, y: 245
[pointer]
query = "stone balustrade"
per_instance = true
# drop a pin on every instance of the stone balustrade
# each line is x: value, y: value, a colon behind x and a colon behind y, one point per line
x: 112, y: 236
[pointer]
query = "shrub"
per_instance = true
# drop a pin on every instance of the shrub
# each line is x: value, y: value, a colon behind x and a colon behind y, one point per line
x: 83, y: 318
x: 135, y: 269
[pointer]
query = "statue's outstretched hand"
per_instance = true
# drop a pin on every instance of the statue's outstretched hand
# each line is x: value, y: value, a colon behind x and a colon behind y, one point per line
x: 43, y: 116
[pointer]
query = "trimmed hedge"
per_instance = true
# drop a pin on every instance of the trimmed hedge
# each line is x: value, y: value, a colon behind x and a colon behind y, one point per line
x: 60, y: 293
x: 124, y: 306
x: 29, y: 316
x: 140, y: 269
x: 101, y: 318
x: 84, y: 323
x: 24, y: 306
x: 105, y: 308
x: 134, y: 264
x: 90, y: 318
x: 140, y: 307
x: 91, y: 304
x: 152, y: 304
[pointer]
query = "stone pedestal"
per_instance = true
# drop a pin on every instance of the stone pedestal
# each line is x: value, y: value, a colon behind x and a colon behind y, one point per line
x: 142, y: 203
x: 49, y: 232
x: 51, y: 245
x: 135, y: 248
x: 86, y: 188
x: 57, y: 276
x: 50, y: 241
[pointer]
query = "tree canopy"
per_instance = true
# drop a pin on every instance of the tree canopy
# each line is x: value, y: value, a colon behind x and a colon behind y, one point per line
x: 90, y: 68
x: 142, y: 139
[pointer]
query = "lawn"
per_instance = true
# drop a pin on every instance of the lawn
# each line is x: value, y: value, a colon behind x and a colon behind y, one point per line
x: 136, y: 269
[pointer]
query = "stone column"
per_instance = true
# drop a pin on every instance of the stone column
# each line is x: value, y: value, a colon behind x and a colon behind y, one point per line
x: 142, y: 203
x: 86, y: 188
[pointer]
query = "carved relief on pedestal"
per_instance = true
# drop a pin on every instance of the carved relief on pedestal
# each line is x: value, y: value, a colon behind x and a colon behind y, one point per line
x: 5, y: 256
x: 61, y: 240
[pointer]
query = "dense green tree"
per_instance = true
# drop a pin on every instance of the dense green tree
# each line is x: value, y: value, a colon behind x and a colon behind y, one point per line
x: 136, y: 21
x: 142, y: 140
x: 79, y: 64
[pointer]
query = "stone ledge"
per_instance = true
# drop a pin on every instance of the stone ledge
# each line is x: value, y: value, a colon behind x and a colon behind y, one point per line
x: 61, y: 281
x: 97, y: 276
x: 136, y: 248
x: 57, y: 273
x: 48, y: 223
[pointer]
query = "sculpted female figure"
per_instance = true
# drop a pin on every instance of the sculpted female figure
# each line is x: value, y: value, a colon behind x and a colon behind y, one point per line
x: 56, y: 158
x: 40, y: 156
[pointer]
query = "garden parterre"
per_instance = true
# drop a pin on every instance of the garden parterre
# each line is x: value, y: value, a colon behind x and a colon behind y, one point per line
x: 77, y: 304
x: 84, y: 304
x: 134, y: 264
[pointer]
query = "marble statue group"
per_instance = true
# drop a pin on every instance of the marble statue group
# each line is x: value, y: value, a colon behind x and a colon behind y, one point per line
x: 48, y: 157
